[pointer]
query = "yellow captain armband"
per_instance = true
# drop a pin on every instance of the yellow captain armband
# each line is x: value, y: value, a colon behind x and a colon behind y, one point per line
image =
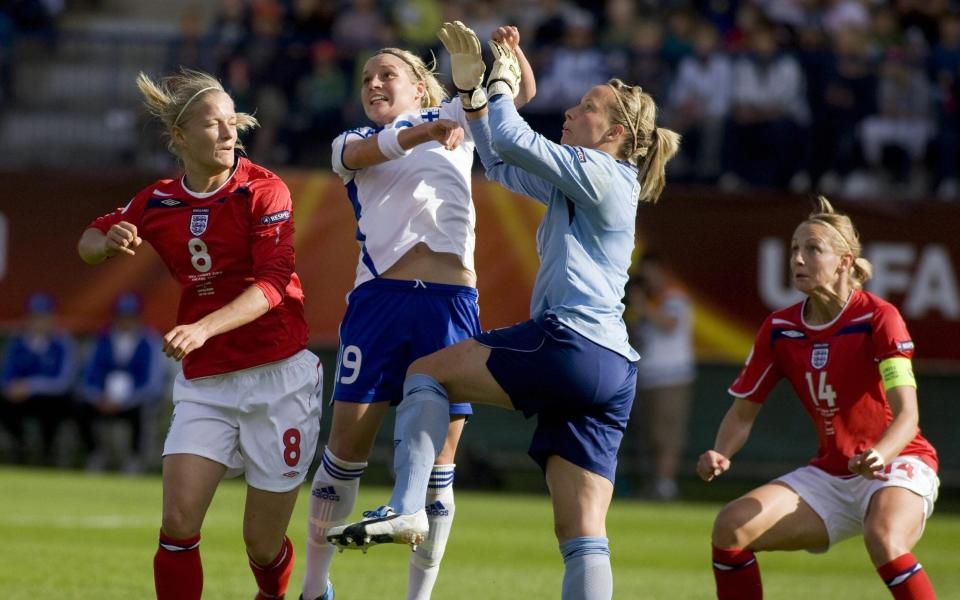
x: 897, y: 371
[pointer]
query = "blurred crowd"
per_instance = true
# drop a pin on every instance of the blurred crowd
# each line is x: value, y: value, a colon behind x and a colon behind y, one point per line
x: 107, y: 391
x: 851, y: 97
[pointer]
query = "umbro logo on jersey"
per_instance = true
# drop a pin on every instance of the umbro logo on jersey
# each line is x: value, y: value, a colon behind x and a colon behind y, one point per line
x: 819, y: 355
x: 792, y: 333
x: 171, y: 202
x: 274, y: 218
x: 291, y: 474
x: 199, y: 221
x: 326, y: 493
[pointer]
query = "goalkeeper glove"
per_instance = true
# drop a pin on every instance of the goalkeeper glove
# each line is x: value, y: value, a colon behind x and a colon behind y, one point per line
x: 466, y: 62
x: 505, y: 73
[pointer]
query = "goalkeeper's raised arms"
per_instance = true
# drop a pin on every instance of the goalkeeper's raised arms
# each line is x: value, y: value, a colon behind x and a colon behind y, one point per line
x: 505, y: 73
x: 466, y: 63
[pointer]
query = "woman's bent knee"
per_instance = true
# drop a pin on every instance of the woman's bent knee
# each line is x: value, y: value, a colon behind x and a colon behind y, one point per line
x: 179, y: 524
x: 728, y: 530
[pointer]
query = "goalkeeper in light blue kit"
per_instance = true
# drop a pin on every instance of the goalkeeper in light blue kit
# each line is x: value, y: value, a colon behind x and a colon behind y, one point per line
x: 571, y: 364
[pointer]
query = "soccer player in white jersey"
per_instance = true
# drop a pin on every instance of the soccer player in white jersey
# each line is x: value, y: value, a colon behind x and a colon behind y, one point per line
x: 408, y: 179
x: 571, y: 364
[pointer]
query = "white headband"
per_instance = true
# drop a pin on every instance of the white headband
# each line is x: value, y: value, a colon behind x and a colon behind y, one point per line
x: 192, y: 98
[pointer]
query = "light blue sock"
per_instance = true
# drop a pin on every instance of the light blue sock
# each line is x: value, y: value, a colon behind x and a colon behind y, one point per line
x: 418, y: 436
x: 586, y: 569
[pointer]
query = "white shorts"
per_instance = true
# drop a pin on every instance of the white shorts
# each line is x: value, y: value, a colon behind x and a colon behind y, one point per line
x: 842, y: 502
x: 263, y: 421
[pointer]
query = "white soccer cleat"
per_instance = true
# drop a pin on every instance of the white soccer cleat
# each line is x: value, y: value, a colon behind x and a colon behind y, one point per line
x: 381, y: 526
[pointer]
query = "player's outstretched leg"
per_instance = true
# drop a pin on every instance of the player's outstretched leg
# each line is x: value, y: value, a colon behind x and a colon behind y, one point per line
x: 333, y: 495
x: 425, y: 562
x: 423, y: 419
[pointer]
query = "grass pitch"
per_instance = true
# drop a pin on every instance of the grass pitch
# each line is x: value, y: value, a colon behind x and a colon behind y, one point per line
x: 76, y: 536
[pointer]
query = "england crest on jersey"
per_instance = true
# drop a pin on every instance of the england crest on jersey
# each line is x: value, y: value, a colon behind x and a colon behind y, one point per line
x: 818, y: 358
x: 199, y: 220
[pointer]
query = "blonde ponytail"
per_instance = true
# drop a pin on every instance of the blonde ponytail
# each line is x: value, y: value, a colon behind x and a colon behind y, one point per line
x: 645, y: 145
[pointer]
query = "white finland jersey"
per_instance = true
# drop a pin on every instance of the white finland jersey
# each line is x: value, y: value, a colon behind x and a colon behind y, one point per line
x: 422, y: 197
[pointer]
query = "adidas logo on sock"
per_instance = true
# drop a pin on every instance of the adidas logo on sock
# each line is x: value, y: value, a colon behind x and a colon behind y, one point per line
x: 326, y: 493
x: 437, y: 509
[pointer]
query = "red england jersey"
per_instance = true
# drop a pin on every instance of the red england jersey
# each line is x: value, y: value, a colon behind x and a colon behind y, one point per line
x: 217, y: 245
x: 833, y: 368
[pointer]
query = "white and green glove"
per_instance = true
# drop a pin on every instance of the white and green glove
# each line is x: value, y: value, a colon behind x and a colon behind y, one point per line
x: 505, y: 73
x: 466, y: 62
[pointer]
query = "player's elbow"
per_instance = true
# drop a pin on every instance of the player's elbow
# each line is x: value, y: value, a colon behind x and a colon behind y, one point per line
x: 89, y: 255
x: 506, y: 140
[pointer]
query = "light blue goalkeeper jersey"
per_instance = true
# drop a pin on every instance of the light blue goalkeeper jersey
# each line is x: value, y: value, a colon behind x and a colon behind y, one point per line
x: 586, y: 239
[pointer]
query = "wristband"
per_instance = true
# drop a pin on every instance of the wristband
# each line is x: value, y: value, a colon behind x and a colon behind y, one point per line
x: 389, y: 143
x: 473, y: 100
x: 497, y: 87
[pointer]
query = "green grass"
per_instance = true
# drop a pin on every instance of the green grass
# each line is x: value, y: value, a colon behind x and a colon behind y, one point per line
x: 70, y: 535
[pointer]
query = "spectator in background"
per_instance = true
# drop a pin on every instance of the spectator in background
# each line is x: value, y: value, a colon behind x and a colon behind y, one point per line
x: 645, y: 61
x: 845, y: 97
x: 619, y: 22
x: 680, y: 28
x: 885, y: 30
x: 230, y: 31
x: 123, y: 378
x: 945, y: 72
x: 360, y: 27
x: 312, y: 19
x: 662, y: 332
x: 37, y: 378
x: 417, y: 21
x: 843, y: 15
x: 6, y: 59
x: 318, y: 105
x: 576, y: 65
x: 769, y: 114
x: 700, y: 103
x: 573, y: 68
x: 550, y: 22
x: 267, y: 55
x: 896, y: 137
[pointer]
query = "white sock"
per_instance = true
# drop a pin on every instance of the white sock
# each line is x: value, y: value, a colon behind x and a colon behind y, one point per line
x: 333, y: 495
x: 425, y: 562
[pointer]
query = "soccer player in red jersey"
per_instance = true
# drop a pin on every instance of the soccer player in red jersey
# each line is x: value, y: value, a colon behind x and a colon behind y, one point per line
x: 847, y: 355
x: 247, y: 399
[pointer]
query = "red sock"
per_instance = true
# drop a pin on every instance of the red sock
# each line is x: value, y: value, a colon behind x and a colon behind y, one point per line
x: 906, y: 579
x: 272, y: 579
x: 737, y: 574
x: 177, y: 571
